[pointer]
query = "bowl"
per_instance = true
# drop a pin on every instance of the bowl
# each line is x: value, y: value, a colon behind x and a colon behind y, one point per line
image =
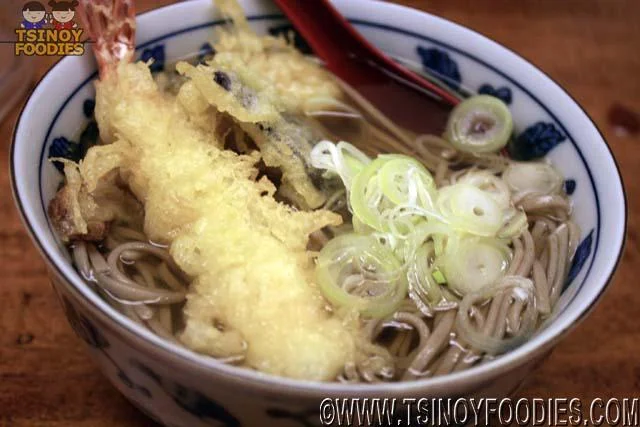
x: 180, y: 388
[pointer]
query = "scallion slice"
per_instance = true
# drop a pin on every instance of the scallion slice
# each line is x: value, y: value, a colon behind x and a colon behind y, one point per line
x: 479, y: 124
x: 356, y: 272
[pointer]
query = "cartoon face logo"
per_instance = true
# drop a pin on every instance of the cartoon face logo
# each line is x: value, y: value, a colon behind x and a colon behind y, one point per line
x: 34, y: 15
x: 51, y: 32
x: 63, y: 14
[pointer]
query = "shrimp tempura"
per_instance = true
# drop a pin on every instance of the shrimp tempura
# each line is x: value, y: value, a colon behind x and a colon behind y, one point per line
x: 252, y: 291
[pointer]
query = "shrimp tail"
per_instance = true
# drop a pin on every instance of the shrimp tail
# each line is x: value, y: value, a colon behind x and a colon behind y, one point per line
x: 112, y: 26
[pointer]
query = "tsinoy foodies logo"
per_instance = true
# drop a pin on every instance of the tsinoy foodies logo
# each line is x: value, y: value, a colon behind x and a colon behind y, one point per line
x: 49, y: 33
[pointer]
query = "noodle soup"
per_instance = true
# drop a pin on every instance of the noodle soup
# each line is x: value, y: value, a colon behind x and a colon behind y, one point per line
x: 254, y: 208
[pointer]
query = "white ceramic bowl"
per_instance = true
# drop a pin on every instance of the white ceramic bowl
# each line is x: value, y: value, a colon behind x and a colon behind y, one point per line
x: 181, y: 388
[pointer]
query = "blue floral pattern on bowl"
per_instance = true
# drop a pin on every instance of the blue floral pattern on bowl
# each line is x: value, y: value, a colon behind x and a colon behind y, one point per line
x: 536, y: 141
x: 582, y: 254
x: 304, y: 418
x: 570, y: 186
x: 95, y: 339
x: 157, y: 54
x: 64, y: 148
x: 190, y: 400
x: 439, y: 63
x: 89, y: 108
x: 288, y: 31
x: 206, y: 51
x: 503, y: 93
x: 83, y: 327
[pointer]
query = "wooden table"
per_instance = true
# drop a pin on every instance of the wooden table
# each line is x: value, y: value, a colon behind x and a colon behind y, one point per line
x: 588, y: 46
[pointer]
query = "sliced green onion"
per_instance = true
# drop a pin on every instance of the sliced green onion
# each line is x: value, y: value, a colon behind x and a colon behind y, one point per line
x: 475, y: 263
x: 469, y: 209
x: 356, y: 272
x: 479, y: 124
x: 360, y: 227
x: 439, y: 277
x: 343, y: 159
x: 366, y: 196
x: 392, y: 192
x: 424, y: 290
x: 515, y: 224
x: 429, y: 240
x: 400, y: 221
x: 411, y: 237
x: 533, y: 177
x: 439, y: 244
x: 351, y: 153
x: 436, y: 230
x: 490, y: 184
x: 404, y: 180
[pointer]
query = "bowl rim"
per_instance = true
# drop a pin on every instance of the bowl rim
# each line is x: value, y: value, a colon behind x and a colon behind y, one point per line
x: 510, y: 360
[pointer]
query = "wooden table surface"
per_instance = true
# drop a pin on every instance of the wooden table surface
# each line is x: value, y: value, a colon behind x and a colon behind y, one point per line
x: 589, y: 46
